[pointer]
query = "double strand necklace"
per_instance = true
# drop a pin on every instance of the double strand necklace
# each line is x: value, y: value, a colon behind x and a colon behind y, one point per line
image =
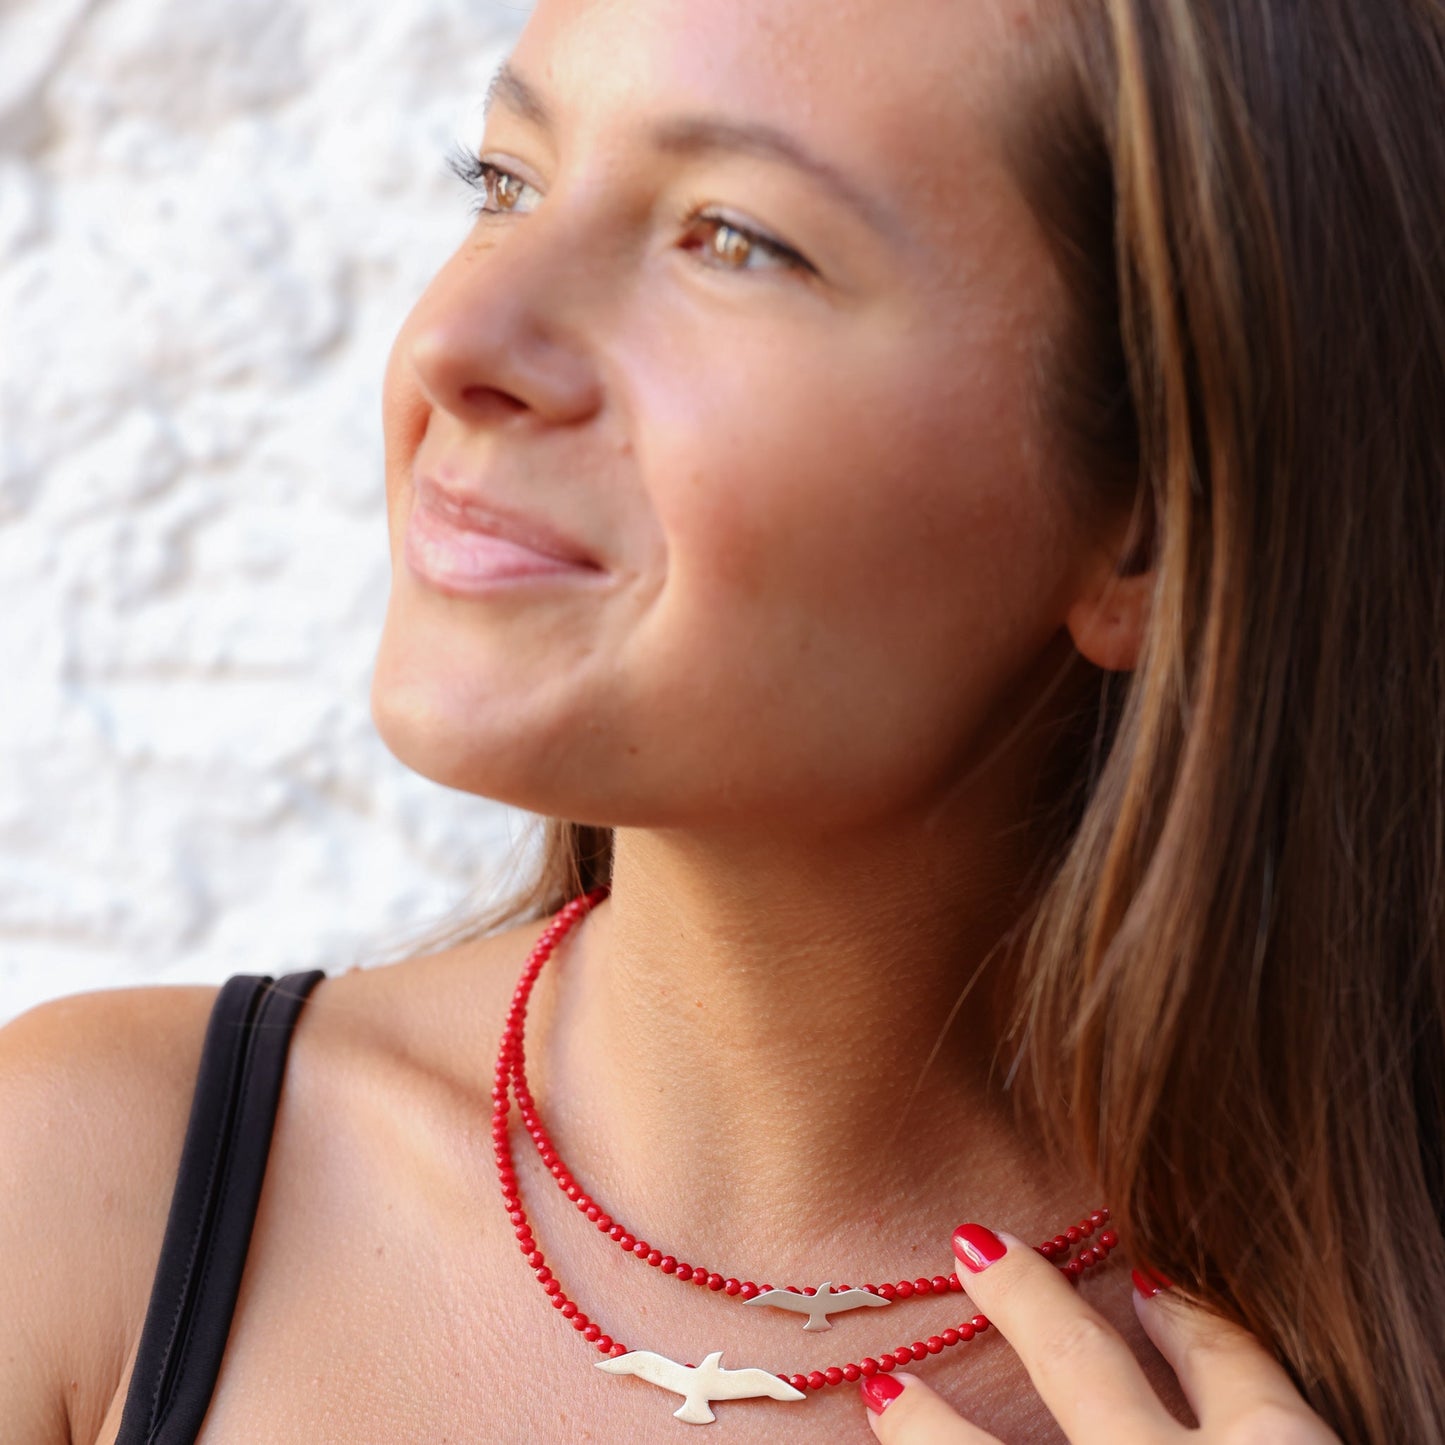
x: 701, y: 1384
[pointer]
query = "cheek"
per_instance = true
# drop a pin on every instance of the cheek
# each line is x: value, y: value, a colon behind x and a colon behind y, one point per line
x: 893, y: 498
x: 860, y: 565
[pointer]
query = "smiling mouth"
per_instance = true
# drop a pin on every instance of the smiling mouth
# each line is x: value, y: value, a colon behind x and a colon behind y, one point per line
x: 457, y: 550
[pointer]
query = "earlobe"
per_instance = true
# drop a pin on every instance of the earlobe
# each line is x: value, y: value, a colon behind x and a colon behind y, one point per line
x: 1108, y: 623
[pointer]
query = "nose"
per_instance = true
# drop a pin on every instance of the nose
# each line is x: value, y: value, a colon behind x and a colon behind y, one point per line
x: 502, y: 331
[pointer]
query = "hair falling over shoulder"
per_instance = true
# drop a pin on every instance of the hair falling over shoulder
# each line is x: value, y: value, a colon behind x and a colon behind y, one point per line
x: 1232, y: 1004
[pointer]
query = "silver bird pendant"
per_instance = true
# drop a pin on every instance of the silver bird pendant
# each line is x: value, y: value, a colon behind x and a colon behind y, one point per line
x: 819, y: 1306
x: 702, y: 1383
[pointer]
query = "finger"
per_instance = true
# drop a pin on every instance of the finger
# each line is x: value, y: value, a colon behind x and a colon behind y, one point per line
x: 1081, y: 1367
x: 904, y: 1411
x: 1226, y: 1374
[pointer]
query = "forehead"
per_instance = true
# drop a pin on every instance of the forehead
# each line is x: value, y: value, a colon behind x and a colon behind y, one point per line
x: 900, y: 94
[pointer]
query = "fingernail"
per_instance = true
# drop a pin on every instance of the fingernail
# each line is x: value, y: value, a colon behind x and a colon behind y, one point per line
x: 880, y: 1391
x: 1150, y: 1282
x: 977, y: 1247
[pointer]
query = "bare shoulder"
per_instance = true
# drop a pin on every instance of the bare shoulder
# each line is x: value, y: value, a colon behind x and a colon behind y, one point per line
x: 95, y: 1093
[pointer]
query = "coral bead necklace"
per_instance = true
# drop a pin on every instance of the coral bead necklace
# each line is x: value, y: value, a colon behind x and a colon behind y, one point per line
x: 710, y: 1381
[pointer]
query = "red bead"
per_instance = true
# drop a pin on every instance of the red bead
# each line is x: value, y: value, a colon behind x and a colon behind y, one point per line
x: 509, y: 1086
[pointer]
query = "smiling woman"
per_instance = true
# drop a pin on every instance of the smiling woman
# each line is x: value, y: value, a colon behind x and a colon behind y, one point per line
x: 941, y: 511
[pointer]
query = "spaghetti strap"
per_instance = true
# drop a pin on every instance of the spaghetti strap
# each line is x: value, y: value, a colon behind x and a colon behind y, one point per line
x: 213, y: 1207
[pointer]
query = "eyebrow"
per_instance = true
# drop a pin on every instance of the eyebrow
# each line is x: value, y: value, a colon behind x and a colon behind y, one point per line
x: 700, y: 134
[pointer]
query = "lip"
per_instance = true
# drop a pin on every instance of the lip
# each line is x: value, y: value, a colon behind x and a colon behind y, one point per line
x: 464, y: 544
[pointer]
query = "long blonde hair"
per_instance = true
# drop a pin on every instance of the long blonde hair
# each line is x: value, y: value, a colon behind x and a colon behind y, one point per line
x: 1232, y: 1004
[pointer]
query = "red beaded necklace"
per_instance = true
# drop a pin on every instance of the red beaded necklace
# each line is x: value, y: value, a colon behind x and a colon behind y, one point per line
x: 701, y: 1384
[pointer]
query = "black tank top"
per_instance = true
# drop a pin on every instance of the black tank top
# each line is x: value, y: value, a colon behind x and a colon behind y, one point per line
x: 213, y: 1206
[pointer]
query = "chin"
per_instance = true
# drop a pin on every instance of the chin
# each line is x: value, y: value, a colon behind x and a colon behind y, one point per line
x: 472, y: 738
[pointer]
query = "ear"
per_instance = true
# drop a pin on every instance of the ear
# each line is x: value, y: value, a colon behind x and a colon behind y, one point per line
x: 1110, y: 615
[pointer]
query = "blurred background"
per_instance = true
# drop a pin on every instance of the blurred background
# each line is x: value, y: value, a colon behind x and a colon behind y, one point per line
x: 213, y: 219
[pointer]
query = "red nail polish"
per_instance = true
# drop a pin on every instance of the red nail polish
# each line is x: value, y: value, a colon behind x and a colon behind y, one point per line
x: 977, y: 1247
x: 880, y: 1391
x: 1149, y: 1282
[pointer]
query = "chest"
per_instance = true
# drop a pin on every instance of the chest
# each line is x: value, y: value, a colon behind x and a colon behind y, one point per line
x: 411, y: 1322
x: 384, y: 1299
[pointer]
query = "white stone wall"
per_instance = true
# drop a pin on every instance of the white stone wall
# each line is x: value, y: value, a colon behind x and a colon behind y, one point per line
x: 213, y: 218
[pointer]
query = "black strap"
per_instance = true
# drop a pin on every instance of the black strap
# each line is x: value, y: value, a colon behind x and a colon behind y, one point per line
x: 218, y: 1186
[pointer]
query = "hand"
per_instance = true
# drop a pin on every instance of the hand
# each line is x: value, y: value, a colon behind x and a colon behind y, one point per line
x: 1087, y: 1375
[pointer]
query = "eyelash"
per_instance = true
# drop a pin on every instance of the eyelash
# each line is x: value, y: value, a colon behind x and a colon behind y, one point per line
x: 482, y: 175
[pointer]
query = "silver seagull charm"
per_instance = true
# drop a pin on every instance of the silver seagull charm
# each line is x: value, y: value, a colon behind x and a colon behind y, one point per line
x: 819, y: 1306
x: 700, y: 1383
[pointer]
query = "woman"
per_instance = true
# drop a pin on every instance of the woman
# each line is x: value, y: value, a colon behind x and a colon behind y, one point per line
x: 947, y: 501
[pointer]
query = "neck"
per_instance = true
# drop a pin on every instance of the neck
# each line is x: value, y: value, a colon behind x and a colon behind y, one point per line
x: 796, y: 1035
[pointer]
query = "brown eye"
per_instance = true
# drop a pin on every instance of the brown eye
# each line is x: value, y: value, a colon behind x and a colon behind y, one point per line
x: 497, y: 191
x: 505, y: 187
x: 731, y: 247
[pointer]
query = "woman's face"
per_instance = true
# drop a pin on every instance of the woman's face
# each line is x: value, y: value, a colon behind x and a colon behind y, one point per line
x: 827, y: 553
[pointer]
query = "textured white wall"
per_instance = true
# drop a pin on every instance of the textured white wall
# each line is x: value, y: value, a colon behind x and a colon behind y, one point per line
x: 213, y: 218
